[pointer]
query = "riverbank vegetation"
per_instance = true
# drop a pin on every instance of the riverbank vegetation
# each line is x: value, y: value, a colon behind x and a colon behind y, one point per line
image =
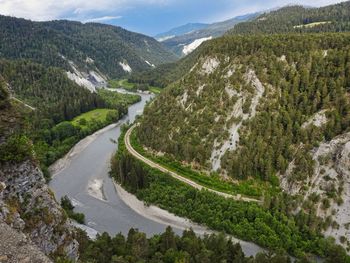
x: 168, y: 248
x: 269, y: 225
x: 251, y: 188
x: 68, y: 207
x: 301, y: 75
x: 51, y: 142
x: 58, y: 112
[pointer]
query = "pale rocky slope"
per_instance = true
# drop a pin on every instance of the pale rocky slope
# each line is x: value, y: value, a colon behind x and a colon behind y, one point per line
x: 329, y: 187
x: 18, y: 248
x: 27, y: 205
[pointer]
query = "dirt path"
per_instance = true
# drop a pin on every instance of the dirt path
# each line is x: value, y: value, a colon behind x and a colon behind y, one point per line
x: 133, y: 152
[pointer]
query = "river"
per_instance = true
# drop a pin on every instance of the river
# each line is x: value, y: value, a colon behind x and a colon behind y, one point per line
x: 82, y: 175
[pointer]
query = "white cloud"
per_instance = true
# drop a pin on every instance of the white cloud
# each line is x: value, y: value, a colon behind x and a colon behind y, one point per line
x: 102, y: 18
x: 40, y: 10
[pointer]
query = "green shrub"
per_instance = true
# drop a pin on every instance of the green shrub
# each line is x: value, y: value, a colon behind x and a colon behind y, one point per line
x: 17, y: 148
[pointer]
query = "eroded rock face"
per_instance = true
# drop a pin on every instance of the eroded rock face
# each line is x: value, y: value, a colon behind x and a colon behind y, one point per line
x: 27, y: 205
x: 18, y: 248
x: 328, y: 187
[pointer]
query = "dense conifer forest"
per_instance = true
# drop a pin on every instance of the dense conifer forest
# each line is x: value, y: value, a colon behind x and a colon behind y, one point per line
x: 271, y: 225
x: 297, y: 19
x: 90, y: 46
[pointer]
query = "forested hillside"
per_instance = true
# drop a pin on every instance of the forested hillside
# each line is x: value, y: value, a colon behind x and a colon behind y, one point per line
x: 26, y: 204
x: 104, y: 49
x: 51, y: 101
x: 185, y: 43
x: 168, y: 247
x: 167, y: 73
x: 291, y: 19
x: 252, y: 105
x: 333, y: 18
x: 273, y: 225
x: 48, y: 90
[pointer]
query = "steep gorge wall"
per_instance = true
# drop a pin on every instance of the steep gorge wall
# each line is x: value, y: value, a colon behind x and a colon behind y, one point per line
x: 27, y: 205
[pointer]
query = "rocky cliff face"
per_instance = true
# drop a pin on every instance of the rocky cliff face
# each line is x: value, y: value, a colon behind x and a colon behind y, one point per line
x: 18, y: 248
x: 328, y: 188
x: 30, y: 219
x: 27, y: 205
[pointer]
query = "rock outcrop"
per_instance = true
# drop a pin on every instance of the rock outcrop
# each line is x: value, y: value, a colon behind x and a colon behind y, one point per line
x: 328, y: 187
x: 28, y: 205
x: 18, y: 248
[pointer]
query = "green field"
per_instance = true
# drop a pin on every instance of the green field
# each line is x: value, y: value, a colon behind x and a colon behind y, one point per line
x: 310, y: 25
x: 155, y: 90
x: 120, y: 83
x: 94, y: 115
x: 123, y: 83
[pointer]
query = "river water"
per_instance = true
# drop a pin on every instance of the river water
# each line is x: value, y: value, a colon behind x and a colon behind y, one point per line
x: 83, y: 177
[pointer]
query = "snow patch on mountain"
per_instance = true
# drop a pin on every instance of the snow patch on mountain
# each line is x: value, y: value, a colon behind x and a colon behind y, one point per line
x: 125, y: 66
x: 187, y: 49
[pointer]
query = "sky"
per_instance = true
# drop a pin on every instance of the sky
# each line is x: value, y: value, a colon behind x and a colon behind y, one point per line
x: 144, y: 16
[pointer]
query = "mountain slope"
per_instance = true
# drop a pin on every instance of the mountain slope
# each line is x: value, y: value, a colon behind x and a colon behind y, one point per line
x: 181, y: 30
x: 95, y: 51
x: 47, y: 90
x: 252, y: 105
x: 26, y: 203
x: 332, y: 18
x: 285, y: 20
x: 179, y: 43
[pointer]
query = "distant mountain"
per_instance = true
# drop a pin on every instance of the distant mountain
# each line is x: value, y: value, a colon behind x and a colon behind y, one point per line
x: 181, y: 30
x: 289, y: 19
x: 184, y: 43
x: 90, y: 53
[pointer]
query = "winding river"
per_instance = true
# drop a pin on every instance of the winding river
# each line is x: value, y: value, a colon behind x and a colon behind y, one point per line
x: 82, y: 175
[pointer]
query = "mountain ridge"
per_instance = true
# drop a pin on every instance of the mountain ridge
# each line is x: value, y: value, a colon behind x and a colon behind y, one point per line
x: 176, y: 42
x: 92, y: 52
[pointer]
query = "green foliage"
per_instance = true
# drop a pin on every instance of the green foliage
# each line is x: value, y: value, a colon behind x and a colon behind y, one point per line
x: 69, y: 209
x: 295, y: 89
x: 167, y: 247
x: 48, y: 90
x: 91, y: 46
x: 167, y: 73
x: 269, y: 227
x: 16, y: 148
x: 4, y: 94
x: 212, y: 181
x: 285, y: 20
x: 51, y: 143
x: 122, y: 83
x: 125, y: 84
x: 98, y: 115
x: 116, y: 100
x: 333, y: 18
